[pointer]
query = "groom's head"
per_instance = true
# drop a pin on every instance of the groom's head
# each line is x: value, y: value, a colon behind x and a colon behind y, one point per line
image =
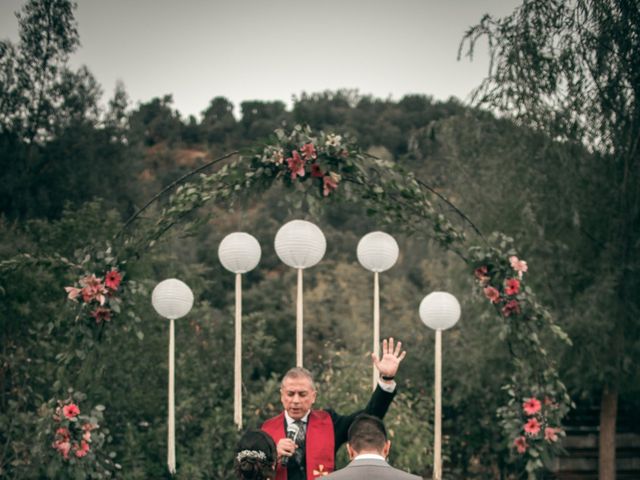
x: 297, y: 392
x: 367, y: 435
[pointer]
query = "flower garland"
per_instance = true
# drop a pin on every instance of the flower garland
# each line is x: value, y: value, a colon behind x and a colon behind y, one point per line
x: 333, y: 163
x: 74, y: 434
x: 538, y: 399
x: 299, y: 156
x: 98, y: 295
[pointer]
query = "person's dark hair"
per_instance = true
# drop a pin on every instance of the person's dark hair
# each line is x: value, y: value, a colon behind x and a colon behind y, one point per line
x: 367, y: 433
x: 256, y: 456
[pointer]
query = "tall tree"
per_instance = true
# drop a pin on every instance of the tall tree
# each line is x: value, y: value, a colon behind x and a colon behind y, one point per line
x: 34, y: 70
x: 572, y: 69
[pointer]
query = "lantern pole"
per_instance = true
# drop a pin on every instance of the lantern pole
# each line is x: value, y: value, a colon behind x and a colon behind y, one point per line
x: 237, y: 377
x: 376, y: 325
x: 300, y: 244
x: 171, y: 437
x: 299, y: 321
x: 172, y: 299
x: 438, y: 311
x: 437, y: 441
x: 239, y: 253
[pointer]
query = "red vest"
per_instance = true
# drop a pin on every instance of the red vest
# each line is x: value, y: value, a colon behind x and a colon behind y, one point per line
x: 319, y: 443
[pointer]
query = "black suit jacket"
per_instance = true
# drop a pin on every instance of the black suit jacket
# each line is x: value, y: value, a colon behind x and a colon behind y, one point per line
x: 378, y: 405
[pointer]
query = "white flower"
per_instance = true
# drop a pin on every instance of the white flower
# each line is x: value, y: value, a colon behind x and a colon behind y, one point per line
x: 333, y: 140
x: 251, y: 454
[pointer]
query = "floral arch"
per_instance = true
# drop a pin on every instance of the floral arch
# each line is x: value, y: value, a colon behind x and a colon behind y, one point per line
x: 329, y: 165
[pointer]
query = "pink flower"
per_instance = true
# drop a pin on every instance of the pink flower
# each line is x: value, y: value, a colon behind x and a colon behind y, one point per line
x: 93, y: 289
x: 532, y: 427
x: 296, y: 165
x: 519, y: 266
x: 71, y: 411
x: 101, y: 314
x: 73, y: 292
x: 316, y: 171
x: 62, y: 435
x: 63, y: 448
x: 83, y: 450
x: 328, y: 184
x: 550, y: 434
x: 481, y: 274
x: 511, y: 307
x: 531, y: 406
x: 308, y: 151
x: 521, y: 444
x: 512, y: 286
x: 492, y: 294
x: 112, y: 279
x: 86, y: 428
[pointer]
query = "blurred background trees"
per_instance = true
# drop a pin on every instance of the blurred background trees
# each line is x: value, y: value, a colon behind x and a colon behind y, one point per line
x: 560, y: 175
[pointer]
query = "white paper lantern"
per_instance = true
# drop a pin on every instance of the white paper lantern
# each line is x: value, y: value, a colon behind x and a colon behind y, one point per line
x: 377, y: 251
x: 239, y: 252
x: 172, y: 298
x: 300, y: 244
x: 439, y: 310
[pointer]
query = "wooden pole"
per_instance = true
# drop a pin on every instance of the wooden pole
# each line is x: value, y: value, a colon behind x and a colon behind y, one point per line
x: 299, y: 321
x: 376, y: 325
x: 437, y: 441
x: 171, y: 445
x: 237, y: 398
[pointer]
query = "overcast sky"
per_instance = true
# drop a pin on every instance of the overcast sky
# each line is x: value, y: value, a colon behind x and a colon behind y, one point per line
x: 274, y: 49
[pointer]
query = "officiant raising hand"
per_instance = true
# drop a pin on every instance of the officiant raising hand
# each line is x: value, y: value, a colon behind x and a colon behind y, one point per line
x: 307, y: 438
x: 389, y: 362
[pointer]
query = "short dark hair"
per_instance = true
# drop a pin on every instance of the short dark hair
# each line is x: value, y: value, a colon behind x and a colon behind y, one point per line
x: 366, y: 433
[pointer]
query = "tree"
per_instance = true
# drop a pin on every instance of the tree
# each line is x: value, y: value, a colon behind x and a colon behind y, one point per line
x: 33, y: 72
x: 218, y: 122
x: 572, y: 70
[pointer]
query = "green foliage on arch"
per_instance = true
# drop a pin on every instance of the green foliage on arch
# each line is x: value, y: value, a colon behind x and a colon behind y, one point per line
x: 320, y: 167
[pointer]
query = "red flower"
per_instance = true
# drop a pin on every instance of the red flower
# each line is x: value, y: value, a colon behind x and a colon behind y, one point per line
x: 481, y: 274
x: 531, y: 406
x: 83, y: 450
x: 492, y: 294
x: 512, y: 286
x: 308, y: 151
x: 101, y: 314
x: 532, y: 427
x: 329, y: 183
x: 512, y: 307
x: 71, y: 411
x: 521, y: 444
x: 112, y: 279
x: 316, y: 171
x: 296, y: 165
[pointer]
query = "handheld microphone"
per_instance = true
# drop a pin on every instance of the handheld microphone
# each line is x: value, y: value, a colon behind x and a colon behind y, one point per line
x: 292, y: 434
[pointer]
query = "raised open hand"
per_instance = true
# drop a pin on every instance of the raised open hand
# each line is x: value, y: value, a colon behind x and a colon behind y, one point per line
x: 391, y: 357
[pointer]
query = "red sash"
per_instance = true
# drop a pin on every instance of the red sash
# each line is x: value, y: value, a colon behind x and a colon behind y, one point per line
x: 319, y: 444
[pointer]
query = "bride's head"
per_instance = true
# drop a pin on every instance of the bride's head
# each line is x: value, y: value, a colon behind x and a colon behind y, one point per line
x: 256, y: 456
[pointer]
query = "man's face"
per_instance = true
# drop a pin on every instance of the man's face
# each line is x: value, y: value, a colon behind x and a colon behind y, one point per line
x: 297, y: 396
